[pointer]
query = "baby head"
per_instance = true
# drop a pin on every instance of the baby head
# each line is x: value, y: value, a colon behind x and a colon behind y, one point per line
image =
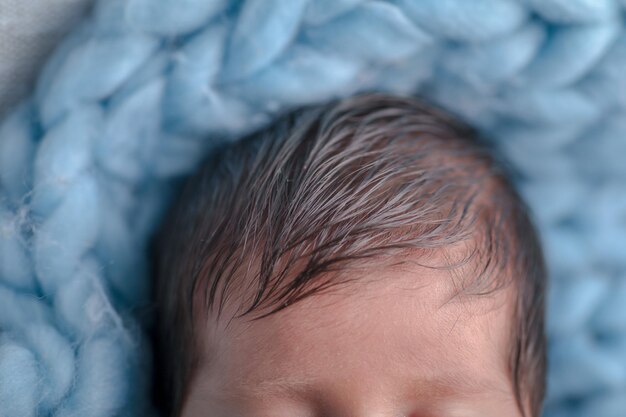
x: 365, y: 257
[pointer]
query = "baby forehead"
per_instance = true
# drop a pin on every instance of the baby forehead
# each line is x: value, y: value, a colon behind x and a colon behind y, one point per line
x: 390, y: 322
x: 403, y: 297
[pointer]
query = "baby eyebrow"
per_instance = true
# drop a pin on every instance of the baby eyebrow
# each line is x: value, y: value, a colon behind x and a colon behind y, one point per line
x: 288, y: 387
x: 300, y: 388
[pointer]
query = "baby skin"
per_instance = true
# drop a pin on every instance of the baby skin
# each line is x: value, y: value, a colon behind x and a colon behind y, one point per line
x: 397, y: 344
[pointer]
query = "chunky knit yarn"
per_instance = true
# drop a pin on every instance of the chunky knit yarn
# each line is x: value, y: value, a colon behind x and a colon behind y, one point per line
x: 140, y: 91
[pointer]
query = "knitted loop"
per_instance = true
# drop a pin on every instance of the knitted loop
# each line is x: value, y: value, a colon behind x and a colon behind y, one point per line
x: 133, y: 99
x: 575, y: 11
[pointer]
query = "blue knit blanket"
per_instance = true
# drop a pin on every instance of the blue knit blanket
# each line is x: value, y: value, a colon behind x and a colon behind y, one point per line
x: 140, y: 91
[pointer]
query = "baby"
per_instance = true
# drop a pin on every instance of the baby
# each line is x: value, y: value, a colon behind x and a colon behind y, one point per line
x: 363, y: 258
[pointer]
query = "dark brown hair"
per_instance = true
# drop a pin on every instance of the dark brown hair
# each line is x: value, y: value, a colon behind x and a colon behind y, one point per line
x: 370, y: 177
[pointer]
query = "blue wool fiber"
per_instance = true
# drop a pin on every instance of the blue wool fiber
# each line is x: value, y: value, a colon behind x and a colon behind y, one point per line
x: 139, y: 92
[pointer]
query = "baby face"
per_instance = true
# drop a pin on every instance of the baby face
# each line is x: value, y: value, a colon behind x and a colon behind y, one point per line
x: 395, y: 345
